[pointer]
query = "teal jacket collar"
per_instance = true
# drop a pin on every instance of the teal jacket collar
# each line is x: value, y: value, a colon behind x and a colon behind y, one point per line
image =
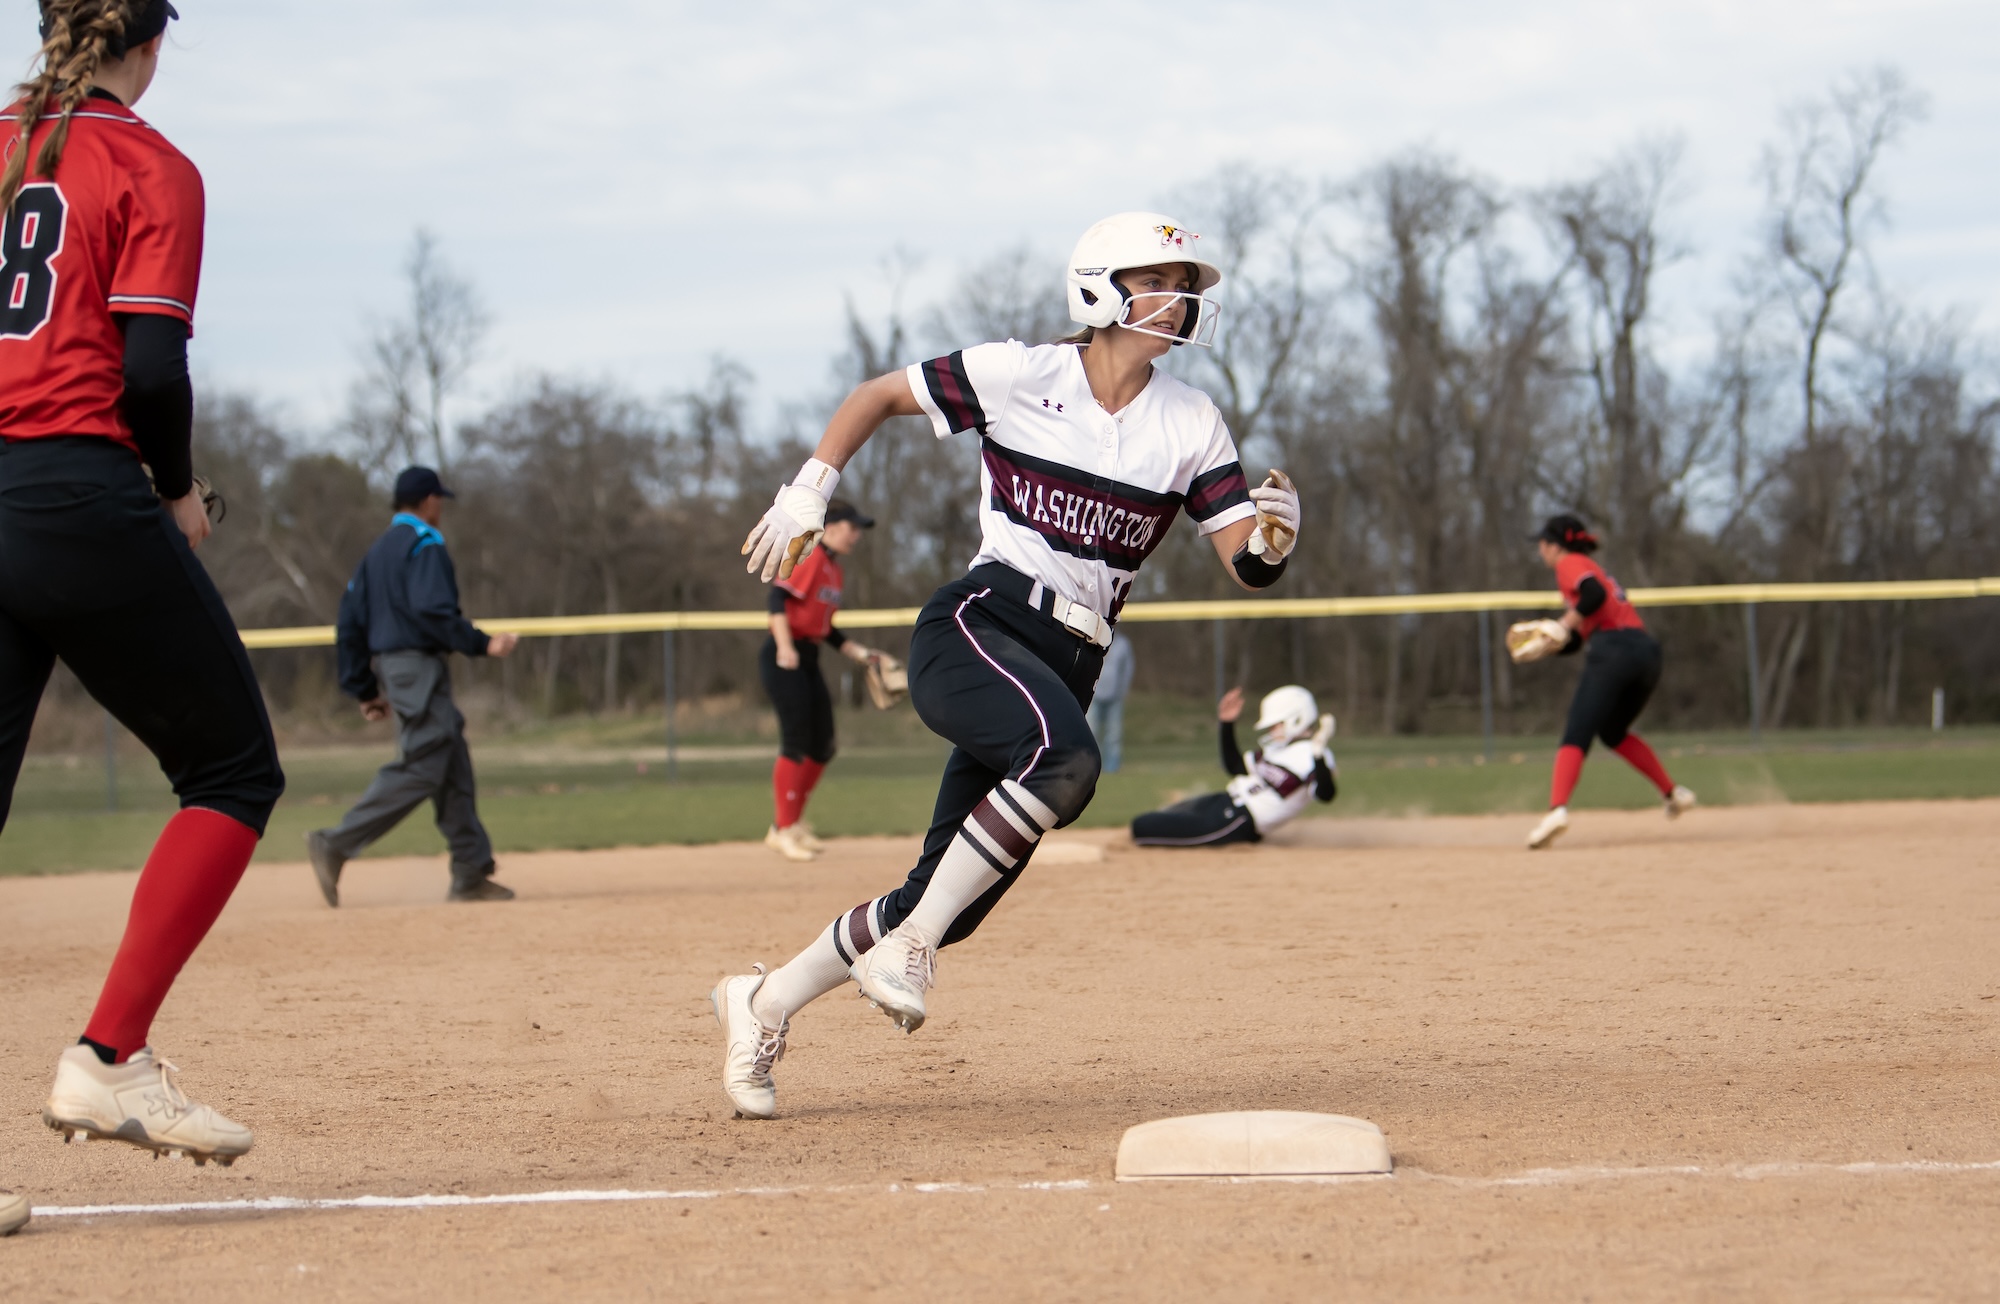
x: 427, y: 534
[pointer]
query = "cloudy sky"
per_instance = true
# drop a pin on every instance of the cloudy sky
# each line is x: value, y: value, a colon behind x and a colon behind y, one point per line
x: 637, y: 186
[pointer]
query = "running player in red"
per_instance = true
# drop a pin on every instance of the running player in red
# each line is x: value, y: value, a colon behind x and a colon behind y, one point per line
x: 802, y: 607
x: 102, y: 242
x: 1620, y: 671
x: 1087, y: 454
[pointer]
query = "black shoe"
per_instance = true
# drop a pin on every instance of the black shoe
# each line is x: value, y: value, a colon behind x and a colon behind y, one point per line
x: 326, y: 863
x: 482, y: 889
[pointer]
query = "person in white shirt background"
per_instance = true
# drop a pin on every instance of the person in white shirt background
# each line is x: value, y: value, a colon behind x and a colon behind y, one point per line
x: 1107, y: 703
x: 1087, y: 454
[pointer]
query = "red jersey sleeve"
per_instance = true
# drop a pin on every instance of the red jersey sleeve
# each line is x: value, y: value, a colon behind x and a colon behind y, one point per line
x: 1571, y: 567
x: 159, y: 265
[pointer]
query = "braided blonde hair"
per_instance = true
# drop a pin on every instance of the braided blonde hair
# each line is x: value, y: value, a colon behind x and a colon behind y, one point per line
x: 81, y: 33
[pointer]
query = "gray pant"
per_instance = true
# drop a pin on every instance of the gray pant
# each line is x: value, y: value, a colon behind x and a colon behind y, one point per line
x: 432, y: 764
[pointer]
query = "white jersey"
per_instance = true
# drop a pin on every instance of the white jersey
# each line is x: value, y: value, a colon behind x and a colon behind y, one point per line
x: 1279, y: 783
x: 1069, y: 494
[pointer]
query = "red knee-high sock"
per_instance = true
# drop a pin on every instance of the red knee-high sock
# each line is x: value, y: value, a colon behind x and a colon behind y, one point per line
x: 788, y: 790
x: 1569, y: 768
x: 809, y: 771
x: 1641, y: 758
x: 194, y: 867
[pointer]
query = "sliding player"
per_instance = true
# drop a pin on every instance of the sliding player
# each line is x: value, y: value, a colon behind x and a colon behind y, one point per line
x: 1269, y: 787
x: 1087, y: 454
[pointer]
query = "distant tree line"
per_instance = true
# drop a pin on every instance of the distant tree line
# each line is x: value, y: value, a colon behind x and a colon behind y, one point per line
x: 1436, y: 359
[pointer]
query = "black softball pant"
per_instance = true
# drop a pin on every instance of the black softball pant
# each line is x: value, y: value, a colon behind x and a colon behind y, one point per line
x: 803, y: 702
x: 1621, y: 668
x: 1007, y: 687
x: 93, y: 570
x: 1209, y: 820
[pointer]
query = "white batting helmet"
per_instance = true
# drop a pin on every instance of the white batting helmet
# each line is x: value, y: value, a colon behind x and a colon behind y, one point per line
x: 1127, y: 240
x: 1287, y: 714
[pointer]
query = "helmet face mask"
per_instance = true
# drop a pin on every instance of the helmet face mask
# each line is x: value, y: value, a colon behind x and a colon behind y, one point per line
x: 1127, y: 241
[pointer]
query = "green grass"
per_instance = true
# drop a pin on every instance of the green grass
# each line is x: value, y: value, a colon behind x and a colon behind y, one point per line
x: 580, y: 785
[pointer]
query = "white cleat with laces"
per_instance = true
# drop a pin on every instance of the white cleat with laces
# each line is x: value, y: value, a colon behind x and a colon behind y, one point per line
x: 14, y: 1212
x: 140, y: 1103
x: 1553, y: 825
x: 1679, y: 801
x: 750, y: 1047
x: 895, y: 975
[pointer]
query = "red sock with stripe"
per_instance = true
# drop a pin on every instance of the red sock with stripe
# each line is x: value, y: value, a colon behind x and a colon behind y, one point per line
x: 1641, y: 758
x: 195, y: 865
x: 788, y: 791
x: 1569, y: 768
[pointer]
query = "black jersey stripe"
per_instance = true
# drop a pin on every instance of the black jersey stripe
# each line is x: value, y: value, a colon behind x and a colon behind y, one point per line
x: 951, y: 389
x: 1217, y: 491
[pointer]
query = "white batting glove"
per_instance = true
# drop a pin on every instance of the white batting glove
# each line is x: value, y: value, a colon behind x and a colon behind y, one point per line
x: 1277, y: 503
x: 793, y: 524
x: 1324, y: 734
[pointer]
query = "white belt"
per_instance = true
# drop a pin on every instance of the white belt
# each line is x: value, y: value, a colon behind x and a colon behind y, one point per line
x: 1078, y: 619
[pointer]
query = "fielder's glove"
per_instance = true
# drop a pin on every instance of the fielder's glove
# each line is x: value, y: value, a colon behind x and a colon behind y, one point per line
x: 1531, y: 640
x: 1277, y: 503
x: 793, y: 525
x: 887, y: 681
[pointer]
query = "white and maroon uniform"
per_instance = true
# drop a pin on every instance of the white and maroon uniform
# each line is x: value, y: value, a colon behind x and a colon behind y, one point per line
x: 1277, y: 782
x: 1070, y: 495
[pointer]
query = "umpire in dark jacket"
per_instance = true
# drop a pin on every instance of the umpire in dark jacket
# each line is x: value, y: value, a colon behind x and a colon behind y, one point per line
x: 399, y: 625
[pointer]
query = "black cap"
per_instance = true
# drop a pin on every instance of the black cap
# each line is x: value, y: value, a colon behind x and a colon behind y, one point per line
x: 1567, y: 531
x: 416, y: 483
x: 842, y: 510
x: 149, y: 21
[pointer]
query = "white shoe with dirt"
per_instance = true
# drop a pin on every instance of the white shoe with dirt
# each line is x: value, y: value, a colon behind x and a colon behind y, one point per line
x: 1553, y: 825
x: 895, y: 975
x: 13, y: 1213
x: 140, y: 1103
x: 787, y: 843
x: 750, y: 1048
x: 1680, y: 801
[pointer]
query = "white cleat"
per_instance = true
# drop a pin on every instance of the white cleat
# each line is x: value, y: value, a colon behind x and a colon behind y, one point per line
x: 138, y: 1102
x: 1681, y: 799
x: 895, y: 975
x: 13, y: 1213
x: 750, y: 1047
x: 1553, y: 825
x: 787, y: 843
x: 807, y: 838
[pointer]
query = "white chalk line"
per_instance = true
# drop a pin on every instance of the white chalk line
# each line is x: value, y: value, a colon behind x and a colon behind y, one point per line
x: 1531, y: 1178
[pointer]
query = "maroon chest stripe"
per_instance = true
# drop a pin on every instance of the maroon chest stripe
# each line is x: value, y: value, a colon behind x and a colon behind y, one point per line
x: 1077, y: 514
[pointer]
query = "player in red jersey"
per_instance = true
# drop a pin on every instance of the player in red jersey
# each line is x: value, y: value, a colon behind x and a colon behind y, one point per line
x: 1620, y: 671
x: 802, y: 607
x: 102, y: 245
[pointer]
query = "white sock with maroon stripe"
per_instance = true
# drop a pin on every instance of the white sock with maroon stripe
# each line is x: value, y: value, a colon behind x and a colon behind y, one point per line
x: 820, y: 968
x: 1000, y: 833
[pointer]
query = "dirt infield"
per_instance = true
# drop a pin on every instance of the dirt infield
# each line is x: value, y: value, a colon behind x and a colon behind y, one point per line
x: 1750, y: 1055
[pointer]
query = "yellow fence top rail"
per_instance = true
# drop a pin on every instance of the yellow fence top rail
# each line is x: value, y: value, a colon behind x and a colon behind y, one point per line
x: 1393, y: 604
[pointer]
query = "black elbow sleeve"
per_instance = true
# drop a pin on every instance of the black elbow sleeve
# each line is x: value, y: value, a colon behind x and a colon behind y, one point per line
x: 158, y: 402
x: 1590, y: 595
x: 1253, y: 570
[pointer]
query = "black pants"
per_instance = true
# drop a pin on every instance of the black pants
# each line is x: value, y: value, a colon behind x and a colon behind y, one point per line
x: 805, y: 707
x: 1008, y: 687
x: 94, y: 570
x: 1621, y: 668
x: 1205, y: 821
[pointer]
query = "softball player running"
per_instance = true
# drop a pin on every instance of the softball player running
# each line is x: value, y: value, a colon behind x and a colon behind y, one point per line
x: 1268, y: 787
x: 802, y: 607
x: 1620, y: 671
x: 102, y: 240
x: 1087, y: 454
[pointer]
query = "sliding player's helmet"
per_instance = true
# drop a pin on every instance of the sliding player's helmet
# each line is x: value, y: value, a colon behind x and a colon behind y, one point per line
x: 1286, y: 715
x: 1130, y: 240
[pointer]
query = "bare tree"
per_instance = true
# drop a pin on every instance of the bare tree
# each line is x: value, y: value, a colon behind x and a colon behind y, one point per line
x: 414, y: 364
